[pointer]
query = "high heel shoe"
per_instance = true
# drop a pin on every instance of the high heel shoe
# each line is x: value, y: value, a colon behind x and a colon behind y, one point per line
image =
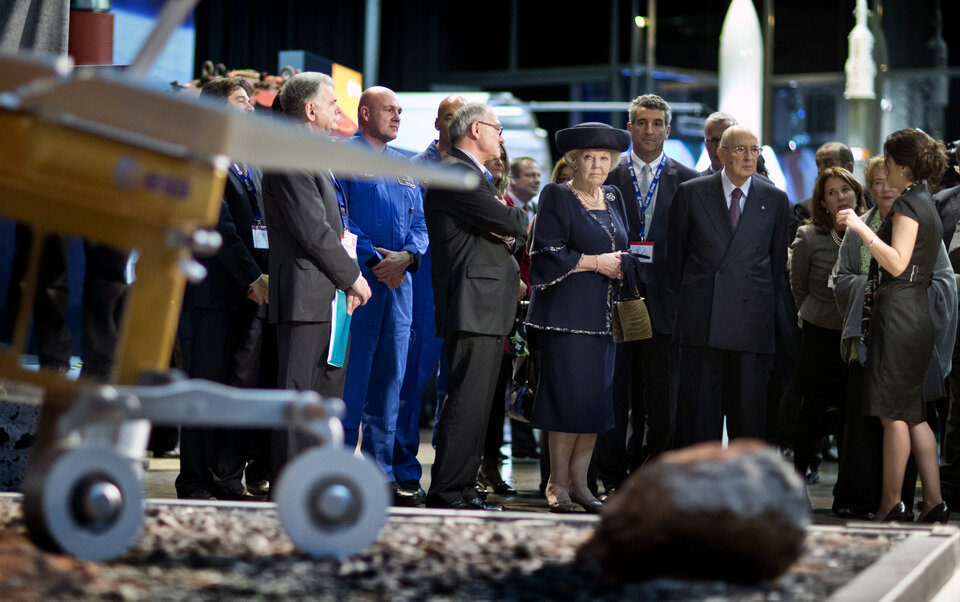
x: 897, y: 514
x: 566, y: 507
x: 591, y: 505
x: 938, y: 514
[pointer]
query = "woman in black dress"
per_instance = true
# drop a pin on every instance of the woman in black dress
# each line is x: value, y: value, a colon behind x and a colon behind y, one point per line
x: 900, y: 336
x: 574, y: 273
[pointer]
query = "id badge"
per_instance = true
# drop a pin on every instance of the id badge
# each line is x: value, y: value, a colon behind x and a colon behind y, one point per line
x: 349, y: 240
x: 642, y: 250
x: 260, y: 237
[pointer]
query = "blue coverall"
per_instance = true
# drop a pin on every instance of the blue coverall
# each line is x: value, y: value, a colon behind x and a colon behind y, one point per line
x: 387, y: 213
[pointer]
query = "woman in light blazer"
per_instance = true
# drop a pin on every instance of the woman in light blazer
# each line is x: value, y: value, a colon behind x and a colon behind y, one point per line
x: 821, y: 370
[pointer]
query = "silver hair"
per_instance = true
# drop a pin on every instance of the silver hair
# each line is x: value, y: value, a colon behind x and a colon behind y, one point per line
x: 464, y: 118
x: 719, y: 116
x: 301, y: 89
x: 651, y: 101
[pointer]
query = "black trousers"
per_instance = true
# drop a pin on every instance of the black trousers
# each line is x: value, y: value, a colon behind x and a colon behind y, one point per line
x: 493, y: 439
x: 822, y: 381
x: 474, y: 364
x: 213, y: 459
x: 715, y: 383
x: 302, y: 365
x: 104, y: 289
x: 950, y: 448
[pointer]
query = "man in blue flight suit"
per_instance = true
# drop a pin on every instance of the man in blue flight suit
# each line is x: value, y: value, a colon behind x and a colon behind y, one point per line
x: 386, y: 214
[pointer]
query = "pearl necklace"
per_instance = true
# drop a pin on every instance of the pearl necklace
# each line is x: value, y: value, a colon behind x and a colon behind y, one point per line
x: 836, y: 237
x: 583, y: 196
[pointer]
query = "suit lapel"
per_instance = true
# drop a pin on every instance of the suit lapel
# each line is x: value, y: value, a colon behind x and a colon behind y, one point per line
x: 755, y: 211
x: 714, y: 205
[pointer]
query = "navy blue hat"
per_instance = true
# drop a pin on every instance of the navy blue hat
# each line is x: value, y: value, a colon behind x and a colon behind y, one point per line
x: 593, y: 135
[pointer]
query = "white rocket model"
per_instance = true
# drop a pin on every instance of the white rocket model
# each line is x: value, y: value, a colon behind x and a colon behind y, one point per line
x: 860, y: 67
x: 741, y: 66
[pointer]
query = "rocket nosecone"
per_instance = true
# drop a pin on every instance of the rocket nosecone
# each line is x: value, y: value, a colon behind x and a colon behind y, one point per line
x: 860, y: 67
x: 741, y: 66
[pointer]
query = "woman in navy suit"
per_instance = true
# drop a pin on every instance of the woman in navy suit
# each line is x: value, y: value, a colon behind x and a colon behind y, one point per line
x: 574, y: 273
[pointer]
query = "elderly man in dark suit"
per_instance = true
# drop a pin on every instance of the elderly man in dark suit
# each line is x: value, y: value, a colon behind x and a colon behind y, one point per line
x: 646, y: 370
x: 476, y: 284
x: 310, y: 255
x: 726, y: 257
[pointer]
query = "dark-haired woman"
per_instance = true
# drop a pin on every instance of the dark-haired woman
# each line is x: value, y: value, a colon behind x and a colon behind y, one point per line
x: 900, y: 335
x: 822, y: 371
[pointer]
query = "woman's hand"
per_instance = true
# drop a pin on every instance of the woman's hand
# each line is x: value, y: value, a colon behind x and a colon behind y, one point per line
x: 609, y: 264
x: 849, y: 219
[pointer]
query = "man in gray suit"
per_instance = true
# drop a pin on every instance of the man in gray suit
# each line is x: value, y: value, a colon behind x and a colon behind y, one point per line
x: 646, y: 370
x: 306, y: 221
x: 476, y: 285
x: 726, y: 257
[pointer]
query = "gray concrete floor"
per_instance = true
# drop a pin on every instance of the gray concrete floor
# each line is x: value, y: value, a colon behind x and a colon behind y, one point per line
x: 524, y: 476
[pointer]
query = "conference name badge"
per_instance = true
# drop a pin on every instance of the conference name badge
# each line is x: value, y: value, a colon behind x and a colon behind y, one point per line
x: 642, y: 250
x: 349, y: 240
x: 260, y: 240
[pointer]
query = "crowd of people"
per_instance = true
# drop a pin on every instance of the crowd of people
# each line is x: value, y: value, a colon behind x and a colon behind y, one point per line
x: 835, y: 317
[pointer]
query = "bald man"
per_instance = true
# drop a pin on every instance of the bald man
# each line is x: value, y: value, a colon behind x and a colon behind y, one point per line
x: 726, y: 257
x: 437, y: 149
x: 386, y: 214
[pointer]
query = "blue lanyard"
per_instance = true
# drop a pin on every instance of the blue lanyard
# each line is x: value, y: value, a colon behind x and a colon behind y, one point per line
x: 644, y: 201
x: 244, y: 174
x: 342, y: 202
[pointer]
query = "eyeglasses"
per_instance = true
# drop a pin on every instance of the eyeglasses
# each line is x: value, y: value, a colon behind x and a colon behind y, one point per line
x: 740, y: 149
x: 711, y: 141
x: 495, y: 126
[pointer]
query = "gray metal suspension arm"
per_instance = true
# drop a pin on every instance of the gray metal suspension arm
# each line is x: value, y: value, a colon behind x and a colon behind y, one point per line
x: 203, y: 403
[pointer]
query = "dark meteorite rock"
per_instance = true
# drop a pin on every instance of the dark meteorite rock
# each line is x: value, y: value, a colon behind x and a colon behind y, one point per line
x: 736, y: 514
x: 18, y: 424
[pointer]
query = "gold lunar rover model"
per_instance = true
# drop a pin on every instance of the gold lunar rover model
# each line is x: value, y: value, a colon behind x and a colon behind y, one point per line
x: 101, y: 156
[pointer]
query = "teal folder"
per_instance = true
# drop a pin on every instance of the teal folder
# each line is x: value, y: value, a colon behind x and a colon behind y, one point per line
x: 339, y: 330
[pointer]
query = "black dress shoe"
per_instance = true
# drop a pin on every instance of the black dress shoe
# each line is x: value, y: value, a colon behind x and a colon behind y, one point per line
x: 481, y: 492
x: 938, y: 514
x: 405, y: 497
x: 566, y: 507
x: 413, y: 485
x: 471, y: 504
x: 199, y: 494
x: 261, y: 487
x: 497, y: 485
x: 241, y: 495
x: 897, y: 514
x: 477, y: 504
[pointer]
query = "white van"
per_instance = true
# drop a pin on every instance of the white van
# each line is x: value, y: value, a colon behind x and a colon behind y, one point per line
x: 521, y: 134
